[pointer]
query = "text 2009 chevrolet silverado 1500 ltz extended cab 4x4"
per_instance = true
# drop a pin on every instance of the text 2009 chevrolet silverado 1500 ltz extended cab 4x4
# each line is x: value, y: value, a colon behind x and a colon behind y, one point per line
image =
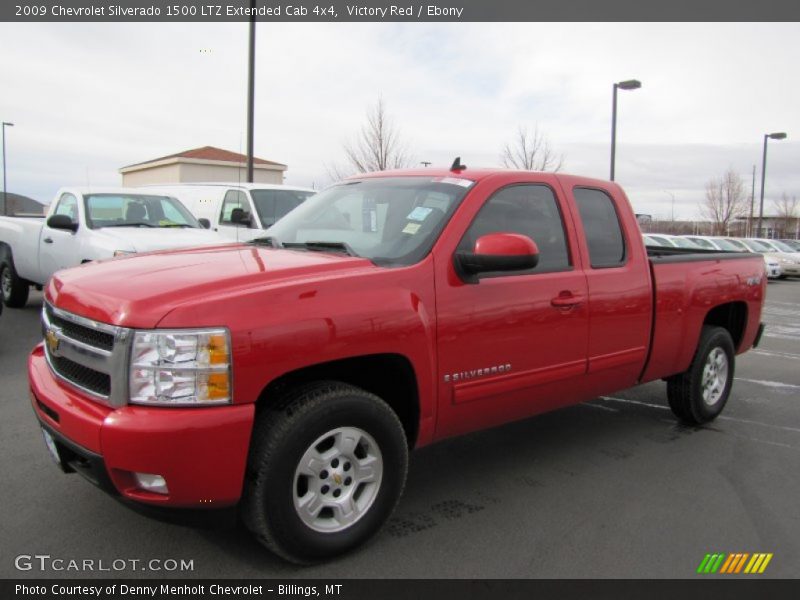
x: 86, y: 224
x: 291, y: 375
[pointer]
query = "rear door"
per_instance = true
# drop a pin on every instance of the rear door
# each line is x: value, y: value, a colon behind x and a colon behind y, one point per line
x: 513, y: 344
x: 58, y: 248
x: 620, y: 295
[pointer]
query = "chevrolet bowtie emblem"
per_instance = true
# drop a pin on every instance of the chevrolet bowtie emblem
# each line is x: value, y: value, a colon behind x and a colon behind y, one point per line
x: 337, y: 478
x: 51, y: 338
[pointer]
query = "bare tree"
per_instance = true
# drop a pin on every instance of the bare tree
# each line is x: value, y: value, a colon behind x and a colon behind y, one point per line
x: 786, y: 213
x: 724, y: 201
x: 531, y: 151
x: 377, y: 147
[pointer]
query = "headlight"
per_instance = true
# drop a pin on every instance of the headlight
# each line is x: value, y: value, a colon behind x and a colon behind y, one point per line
x: 124, y: 252
x: 181, y: 367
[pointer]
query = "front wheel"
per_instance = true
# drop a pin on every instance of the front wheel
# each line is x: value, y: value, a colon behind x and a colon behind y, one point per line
x: 699, y: 394
x: 325, y: 471
x: 15, y: 290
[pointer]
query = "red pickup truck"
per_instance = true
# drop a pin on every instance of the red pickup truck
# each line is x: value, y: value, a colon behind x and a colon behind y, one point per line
x: 291, y: 375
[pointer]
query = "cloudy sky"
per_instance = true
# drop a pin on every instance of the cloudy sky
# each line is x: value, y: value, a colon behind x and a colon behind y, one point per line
x: 89, y: 98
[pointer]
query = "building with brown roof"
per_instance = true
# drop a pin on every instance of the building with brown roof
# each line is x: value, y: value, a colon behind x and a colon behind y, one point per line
x: 199, y: 165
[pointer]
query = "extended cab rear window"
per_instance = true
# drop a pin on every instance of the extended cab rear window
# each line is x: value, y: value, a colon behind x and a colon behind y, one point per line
x: 602, y: 228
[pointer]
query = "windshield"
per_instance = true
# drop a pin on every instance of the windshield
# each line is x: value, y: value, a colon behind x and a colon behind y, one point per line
x: 662, y: 241
x: 136, y: 210
x: 782, y: 247
x: 650, y: 241
x: 757, y: 246
x: 389, y: 220
x: 684, y: 243
x: 794, y: 245
x: 703, y: 243
x: 271, y: 205
x: 726, y: 245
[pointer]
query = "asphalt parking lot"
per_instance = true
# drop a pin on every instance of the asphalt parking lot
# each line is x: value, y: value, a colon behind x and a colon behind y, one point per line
x: 611, y: 488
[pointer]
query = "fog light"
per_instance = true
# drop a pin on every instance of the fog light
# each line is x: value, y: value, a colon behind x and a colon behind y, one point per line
x: 151, y: 483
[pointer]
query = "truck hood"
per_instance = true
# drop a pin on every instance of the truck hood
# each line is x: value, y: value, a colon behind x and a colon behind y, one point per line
x: 145, y: 239
x: 138, y: 291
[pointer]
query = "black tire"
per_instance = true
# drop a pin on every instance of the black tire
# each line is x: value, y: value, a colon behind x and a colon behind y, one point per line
x: 14, y: 290
x: 685, y: 391
x: 283, y: 434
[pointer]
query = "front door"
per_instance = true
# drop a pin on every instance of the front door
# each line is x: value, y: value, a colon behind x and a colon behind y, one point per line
x: 236, y: 217
x: 514, y: 344
x: 60, y: 249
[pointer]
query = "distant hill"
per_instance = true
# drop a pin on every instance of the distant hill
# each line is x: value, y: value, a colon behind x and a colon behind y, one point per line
x: 19, y: 204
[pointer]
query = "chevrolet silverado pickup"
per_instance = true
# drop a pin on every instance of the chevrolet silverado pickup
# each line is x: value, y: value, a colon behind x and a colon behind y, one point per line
x: 86, y: 224
x: 291, y: 375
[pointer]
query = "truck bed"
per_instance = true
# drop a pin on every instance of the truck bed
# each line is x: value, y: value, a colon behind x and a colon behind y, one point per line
x: 686, y: 283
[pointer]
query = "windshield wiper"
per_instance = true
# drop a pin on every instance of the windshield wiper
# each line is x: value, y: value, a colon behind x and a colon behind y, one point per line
x: 266, y: 241
x: 178, y: 225
x: 129, y: 225
x: 322, y: 247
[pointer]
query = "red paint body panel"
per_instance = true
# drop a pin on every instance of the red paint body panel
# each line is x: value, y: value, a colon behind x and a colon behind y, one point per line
x: 482, y: 354
x: 201, y: 452
x: 80, y: 419
x: 683, y: 298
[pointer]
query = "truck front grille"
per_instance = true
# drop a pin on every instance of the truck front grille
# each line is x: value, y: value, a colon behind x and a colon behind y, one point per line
x: 87, y: 354
x: 84, y: 377
x: 87, y: 335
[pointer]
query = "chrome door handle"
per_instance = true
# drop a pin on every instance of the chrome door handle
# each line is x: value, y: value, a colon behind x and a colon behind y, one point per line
x: 566, y: 300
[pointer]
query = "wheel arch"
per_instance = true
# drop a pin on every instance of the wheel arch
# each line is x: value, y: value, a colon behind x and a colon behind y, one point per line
x: 391, y: 377
x: 731, y: 316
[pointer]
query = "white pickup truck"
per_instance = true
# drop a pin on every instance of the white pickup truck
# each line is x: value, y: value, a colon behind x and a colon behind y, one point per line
x: 239, y: 212
x: 86, y: 224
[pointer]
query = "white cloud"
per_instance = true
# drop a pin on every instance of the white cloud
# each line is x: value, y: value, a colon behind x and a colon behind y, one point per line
x: 90, y: 98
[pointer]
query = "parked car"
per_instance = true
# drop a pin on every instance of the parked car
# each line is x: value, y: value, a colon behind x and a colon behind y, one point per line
x: 238, y: 212
x: 771, y: 265
x: 790, y: 264
x: 793, y: 244
x: 674, y: 241
x: 650, y: 240
x: 86, y: 224
x: 292, y: 374
x: 708, y: 242
x: 779, y: 246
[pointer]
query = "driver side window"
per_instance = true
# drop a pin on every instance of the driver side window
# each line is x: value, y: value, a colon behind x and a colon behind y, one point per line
x: 67, y: 205
x: 530, y: 210
x: 234, y: 199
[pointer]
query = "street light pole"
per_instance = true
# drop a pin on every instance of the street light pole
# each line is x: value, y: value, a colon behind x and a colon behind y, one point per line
x: 767, y: 137
x: 5, y: 194
x: 251, y: 92
x: 631, y: 84
x: 752, y: 203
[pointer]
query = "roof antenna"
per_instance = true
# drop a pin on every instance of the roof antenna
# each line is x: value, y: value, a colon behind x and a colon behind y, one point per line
x: 457, y: 166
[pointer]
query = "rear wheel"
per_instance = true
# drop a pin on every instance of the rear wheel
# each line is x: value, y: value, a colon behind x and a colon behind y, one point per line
x: 326, y: 470
x: 699, y: 394
x: 14, y: 289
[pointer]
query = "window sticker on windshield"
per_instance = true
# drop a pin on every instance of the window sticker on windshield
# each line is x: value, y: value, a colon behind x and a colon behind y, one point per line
x: 419, y: 214
x: 455, y: 181
x: 411, y: 228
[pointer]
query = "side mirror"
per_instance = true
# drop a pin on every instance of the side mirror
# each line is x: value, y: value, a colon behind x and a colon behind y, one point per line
x: 204, y: 223
x: 497, y: 252
x: 62, y: 222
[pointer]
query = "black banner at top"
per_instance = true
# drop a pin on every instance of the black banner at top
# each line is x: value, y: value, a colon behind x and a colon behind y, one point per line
x: 398, y: 11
